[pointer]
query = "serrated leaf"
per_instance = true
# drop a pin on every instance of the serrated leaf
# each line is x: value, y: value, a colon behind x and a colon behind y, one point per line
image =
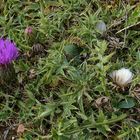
x: 81, y: 115
x: 50, y: 108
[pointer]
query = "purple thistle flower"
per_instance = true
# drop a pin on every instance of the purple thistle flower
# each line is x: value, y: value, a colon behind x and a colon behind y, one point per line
x: 8, y: 51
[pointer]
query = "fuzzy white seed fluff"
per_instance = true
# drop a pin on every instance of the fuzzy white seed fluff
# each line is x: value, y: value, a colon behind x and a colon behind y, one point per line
x: 122, y: 77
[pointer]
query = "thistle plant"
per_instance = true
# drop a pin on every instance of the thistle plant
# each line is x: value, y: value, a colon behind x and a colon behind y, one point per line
x: 8, y: 53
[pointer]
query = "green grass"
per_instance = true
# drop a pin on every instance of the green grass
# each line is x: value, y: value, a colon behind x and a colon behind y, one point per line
x: 57, y: 89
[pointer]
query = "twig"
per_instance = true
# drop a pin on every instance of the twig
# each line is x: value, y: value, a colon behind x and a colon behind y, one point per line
x: 129, y: 27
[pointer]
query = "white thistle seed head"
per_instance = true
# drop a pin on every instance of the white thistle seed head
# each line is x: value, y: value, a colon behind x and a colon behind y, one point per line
x: 122, y: 77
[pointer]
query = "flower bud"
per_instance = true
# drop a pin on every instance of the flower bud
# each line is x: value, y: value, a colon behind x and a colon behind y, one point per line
x: 29, y: 31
